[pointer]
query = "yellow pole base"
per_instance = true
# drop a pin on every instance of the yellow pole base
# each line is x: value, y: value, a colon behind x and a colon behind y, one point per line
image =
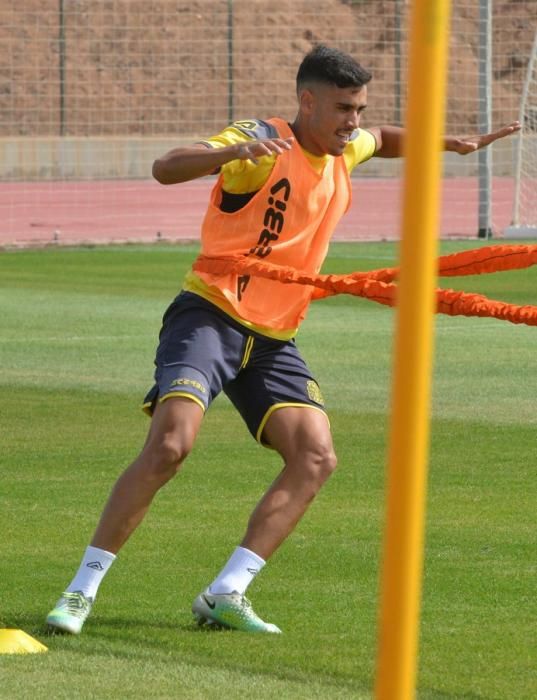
x: 18, y: 642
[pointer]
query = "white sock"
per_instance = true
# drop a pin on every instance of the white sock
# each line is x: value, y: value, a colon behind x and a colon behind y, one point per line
x: 238, y: 573
x: 93, y: 567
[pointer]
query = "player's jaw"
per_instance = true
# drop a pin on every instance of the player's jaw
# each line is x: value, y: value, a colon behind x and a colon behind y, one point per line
x: 341, y: 138
x: 327, y: 136
x: 333, y: 138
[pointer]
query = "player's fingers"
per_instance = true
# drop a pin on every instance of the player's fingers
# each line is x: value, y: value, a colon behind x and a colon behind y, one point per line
x: 247, y: 152
x: 487, y: 139
x: 271, y: 146
x: 510, y: 128
x: 255, y: 149
x: 278, y: 145
x: 506, y: 130
x: 265, y: 147
x: 274, y: 147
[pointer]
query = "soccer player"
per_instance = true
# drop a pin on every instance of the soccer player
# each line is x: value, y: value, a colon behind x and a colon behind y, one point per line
x: 281, y: 190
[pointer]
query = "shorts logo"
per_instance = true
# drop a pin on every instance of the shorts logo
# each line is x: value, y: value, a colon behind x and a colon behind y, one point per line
x: 314, y: 393
x: 183, y: 381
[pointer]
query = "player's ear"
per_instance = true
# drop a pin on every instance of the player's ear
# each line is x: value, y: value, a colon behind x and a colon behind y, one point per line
x: 306, y: 100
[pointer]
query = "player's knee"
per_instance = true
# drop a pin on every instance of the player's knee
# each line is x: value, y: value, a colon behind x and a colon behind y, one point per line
x: 327, y: 462
x: 165, y: 457
x: 321, y: 461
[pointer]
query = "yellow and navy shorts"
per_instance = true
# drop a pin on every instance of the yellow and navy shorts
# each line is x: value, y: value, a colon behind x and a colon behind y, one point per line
x: 202, y: 351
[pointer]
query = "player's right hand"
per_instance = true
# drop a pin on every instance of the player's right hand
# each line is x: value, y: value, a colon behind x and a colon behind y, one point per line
x: 253, y: 150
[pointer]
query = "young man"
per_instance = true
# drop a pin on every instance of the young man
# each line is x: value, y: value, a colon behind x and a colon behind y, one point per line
x: 281, y: 191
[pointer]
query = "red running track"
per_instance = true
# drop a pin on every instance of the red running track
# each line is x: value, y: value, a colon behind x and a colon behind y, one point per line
x: 38, y: 213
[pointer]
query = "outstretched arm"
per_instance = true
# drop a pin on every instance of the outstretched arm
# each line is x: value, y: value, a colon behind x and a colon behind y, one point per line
x: 182, y: 164
x: 390, y: 140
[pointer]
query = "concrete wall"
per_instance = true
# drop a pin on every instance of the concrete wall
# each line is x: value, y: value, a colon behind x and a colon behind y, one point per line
x: 55, y: 158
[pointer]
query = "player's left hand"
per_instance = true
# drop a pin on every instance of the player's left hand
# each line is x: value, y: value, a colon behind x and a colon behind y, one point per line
x: 469, y: 144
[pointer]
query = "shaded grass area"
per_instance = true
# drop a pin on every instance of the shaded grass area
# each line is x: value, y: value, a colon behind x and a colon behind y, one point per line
x: 78, y: 338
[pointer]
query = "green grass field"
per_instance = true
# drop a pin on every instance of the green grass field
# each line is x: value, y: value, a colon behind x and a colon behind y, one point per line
x: 77, y: 340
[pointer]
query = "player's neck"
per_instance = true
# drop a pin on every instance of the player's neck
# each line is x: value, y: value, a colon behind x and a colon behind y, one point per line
x: 303, y: 138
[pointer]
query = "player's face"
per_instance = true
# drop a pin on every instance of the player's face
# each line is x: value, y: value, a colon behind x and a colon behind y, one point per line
x: 332, y: 114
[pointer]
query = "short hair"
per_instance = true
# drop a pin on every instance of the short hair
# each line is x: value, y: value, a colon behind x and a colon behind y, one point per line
x: 324, y: 64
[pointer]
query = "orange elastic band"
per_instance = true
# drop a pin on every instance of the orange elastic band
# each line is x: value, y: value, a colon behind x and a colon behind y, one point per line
x: 377, y: 284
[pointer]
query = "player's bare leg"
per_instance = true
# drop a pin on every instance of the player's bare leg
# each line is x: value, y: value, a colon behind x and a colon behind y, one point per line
x: 174, y: 427
x: 302, y: 437
x: 173, y: 430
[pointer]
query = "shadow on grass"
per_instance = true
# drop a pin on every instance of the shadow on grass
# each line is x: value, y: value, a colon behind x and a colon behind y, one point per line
x: 143, y: 638
x: 110, y: 628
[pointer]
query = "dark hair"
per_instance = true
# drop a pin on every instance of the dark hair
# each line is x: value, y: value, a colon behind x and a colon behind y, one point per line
x: 327, y: 65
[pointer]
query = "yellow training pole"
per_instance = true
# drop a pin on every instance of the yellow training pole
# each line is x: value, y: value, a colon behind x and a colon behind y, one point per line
x: 409, y: 437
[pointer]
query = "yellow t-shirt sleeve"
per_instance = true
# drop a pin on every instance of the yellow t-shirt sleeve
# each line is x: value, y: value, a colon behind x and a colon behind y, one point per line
x: 241, y: 176
x: 361, y: 148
